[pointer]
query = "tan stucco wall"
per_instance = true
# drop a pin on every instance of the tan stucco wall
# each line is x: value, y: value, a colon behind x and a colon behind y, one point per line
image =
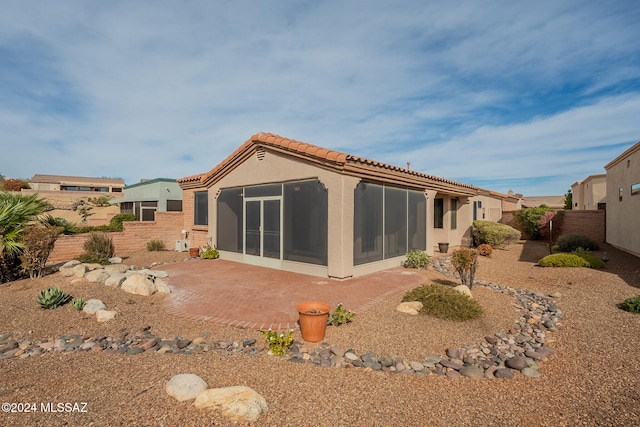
x: 585, y: 195
x: 623, y: 217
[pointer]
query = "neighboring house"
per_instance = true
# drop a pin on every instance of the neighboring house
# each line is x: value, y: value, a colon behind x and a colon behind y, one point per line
x: 293, y: 206
x: 552, y: 202
x: 590, y: 194
x: 488, y: 205
x: 76, y: 184
x: 623, y: 201
x: 147, y: 197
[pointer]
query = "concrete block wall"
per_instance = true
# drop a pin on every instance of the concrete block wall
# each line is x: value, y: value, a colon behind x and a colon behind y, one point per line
x: 167, y: 227
x: 585, y: 223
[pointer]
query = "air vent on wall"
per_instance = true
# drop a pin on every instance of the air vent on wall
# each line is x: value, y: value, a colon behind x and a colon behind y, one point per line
x: 260, y: 153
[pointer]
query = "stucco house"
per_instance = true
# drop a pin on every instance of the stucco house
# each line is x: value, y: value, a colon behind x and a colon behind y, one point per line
x: 74, y: 184
x: 623, y: 200
x: 589, y: 194
x: 149, y: 196
x: 290, y: 205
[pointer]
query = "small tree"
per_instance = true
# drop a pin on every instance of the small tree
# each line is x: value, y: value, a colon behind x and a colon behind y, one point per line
x: 38, y: 244
x: 83, y: 211
x: 465, y: 261
x: 568, y: 200
x: 529, y: 220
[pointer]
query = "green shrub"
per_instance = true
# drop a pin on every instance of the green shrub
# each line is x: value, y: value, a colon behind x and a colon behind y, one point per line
x: 116, y: 222
x: 155, y: 246
x: 207, y: 252
x: 632, y: 305
x: 529, y: 220
x: 485, y: 250
x: 563, y: 260
x: 417, y: 259
x: 571, y: 242
x: 593, y: 261
x: 98, y: 248
x: 444, y: 302
x: 495, y: 234
x: 340, y: 316
x: 52, y: 298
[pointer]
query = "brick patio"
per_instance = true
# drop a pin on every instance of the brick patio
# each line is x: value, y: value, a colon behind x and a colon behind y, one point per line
x: 251, y: 297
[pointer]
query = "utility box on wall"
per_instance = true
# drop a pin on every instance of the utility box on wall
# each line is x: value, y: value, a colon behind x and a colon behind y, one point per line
x: 182, y: 246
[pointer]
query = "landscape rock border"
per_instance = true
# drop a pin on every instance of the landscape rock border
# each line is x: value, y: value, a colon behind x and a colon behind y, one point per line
x: 521, y: 349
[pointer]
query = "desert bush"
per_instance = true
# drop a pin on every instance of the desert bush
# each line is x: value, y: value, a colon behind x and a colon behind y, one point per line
x: 14, y: 184
x: 485, y: 250
x: 38, y: 244
x: 340, y: 315
x: 465, y: 261
x: 632, y: 305
x: 444, y: 302
x: 116, y: 222
x: 495, y: 234
x: 78, y: 303
x: 529, y: 220
x: 592, y: 260
x: 417, y: 259
x: 563, y: 260
x: 571, y: 242
x: 98, y: 248
x: 155, y: 246
x: 49, y: 221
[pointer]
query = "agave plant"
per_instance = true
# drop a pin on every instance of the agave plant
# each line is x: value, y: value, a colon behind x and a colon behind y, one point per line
x: 52, y: 298
x: 78, y: 303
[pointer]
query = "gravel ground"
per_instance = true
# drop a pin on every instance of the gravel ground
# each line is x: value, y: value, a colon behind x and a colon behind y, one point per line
x: 592, y: 378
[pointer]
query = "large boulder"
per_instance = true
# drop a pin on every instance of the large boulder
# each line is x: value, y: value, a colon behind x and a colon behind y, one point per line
x: 411, y: 307
x: 464, y: 290
x: 162, y: 287
x: 93, y: 305
x: 238, y: 403
x: 115, y: 280
x: 79, y: 270
x: 105, y: 315
x: 97, y: 276
x: 185, y: 386
x: 116, y: 268
x: 138, y: 285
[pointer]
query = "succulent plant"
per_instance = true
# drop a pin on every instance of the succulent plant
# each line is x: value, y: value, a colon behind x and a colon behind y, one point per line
x: 78, y: 303
x: 52, y: 298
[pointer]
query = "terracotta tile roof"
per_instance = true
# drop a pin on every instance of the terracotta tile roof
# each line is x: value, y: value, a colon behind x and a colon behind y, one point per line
x: 348, y: 163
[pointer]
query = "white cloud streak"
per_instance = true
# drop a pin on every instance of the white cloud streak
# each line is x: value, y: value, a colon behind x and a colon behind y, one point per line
x: 168, y: 89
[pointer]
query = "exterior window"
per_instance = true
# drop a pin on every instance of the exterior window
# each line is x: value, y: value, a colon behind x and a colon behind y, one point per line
x: 201, y: 208
x: 620, y: 190
x: 126, y: 207
x: 454, y: 213
x: 229, y: 220
x: 635, y: 188
x: 438, y: 213
x: 174, y: 205
x: 116, y: 190
x: 306, y: 222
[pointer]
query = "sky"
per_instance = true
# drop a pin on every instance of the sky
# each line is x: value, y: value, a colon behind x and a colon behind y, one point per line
x: 505, y: 95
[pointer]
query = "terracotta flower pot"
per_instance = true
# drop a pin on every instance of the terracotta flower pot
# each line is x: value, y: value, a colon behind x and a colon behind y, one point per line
x: 313, y: 320
x: 194, y: 252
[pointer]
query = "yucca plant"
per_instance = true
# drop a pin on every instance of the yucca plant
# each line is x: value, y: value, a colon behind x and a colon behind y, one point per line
x: 78, y: 303
x: 52, y: 298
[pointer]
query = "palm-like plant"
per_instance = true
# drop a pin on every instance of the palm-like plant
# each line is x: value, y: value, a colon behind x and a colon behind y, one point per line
x: 16, y: 211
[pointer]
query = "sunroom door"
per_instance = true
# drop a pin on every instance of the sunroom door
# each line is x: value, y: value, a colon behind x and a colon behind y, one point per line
x: 263, y: 236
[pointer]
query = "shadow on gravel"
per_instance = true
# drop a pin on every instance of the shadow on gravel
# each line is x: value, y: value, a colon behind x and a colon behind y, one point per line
x: 532, y: 250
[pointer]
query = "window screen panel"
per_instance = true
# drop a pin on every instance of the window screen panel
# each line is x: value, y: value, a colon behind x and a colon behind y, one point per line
x: 395, y: 222
x: 417, y: 221
x: 263, y: 190
x: 229, y: 220
x: 305, y: 222
x: 174, y: 205
x: 367, y: 223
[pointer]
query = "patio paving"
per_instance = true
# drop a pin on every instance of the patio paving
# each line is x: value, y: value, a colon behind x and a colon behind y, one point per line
x: 246, y: 296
